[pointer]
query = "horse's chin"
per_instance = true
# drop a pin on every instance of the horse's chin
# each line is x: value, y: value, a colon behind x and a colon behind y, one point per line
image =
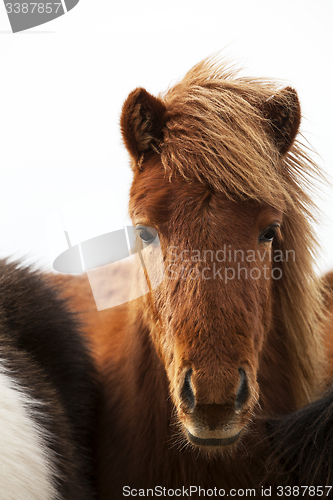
x: 213, y: 443
x: 205, y: 436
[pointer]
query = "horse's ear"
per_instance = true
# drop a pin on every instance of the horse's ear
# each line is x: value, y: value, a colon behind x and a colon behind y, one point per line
x: 283, y: 111
x: 142, y: 120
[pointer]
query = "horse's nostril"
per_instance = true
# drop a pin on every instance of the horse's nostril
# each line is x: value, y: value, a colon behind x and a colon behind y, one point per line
x: 187, y: 393
x: 243, y: 390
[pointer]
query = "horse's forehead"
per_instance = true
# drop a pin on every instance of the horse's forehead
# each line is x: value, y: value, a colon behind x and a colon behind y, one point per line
x: 158, y: 200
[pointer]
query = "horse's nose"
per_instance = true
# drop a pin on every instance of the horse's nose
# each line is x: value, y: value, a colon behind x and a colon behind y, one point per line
x: 187, y: 395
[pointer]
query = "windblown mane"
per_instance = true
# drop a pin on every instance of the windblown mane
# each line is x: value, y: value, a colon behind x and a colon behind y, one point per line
x: 215, y: 134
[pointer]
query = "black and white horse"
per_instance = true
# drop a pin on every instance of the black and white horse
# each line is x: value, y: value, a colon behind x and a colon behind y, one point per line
x: 48, y: 393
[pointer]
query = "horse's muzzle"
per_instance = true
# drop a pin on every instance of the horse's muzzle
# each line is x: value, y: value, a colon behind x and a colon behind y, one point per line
x: 214, y: 425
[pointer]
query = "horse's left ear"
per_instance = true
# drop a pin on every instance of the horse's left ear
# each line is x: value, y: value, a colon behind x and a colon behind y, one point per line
x: 283, y: 111
x: 142, y: 120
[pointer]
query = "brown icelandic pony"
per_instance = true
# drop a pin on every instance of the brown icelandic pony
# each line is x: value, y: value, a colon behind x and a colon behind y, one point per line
x: 188, y: 369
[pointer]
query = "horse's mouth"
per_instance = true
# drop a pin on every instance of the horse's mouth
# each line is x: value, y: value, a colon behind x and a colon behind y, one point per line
x: 213, y: 442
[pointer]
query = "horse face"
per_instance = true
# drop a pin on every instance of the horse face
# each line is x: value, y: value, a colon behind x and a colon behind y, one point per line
x: 197, y: 156
x: 213, y: 308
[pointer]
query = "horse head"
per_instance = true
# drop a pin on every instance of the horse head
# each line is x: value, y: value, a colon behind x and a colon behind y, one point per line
x: 209, y: 185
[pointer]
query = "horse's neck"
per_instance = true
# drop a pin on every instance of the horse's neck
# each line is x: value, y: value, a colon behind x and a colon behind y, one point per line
x: 145, y: 364
x: 276, y: 376
x: 145, y: 380
x: 135, y: 427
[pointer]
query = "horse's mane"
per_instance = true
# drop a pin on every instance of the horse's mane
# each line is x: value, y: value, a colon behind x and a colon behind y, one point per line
x: 217, y: 134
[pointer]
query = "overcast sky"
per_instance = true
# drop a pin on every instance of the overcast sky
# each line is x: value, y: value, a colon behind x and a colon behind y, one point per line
x: 63, y: 85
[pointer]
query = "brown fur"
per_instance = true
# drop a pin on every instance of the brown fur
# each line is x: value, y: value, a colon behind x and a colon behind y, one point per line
x: 215, y: 162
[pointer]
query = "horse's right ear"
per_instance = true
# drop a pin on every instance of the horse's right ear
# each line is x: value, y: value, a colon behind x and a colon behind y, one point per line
x: 142, y: 121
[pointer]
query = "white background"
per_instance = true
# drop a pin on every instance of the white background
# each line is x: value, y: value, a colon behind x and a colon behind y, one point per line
x: 63, y: 84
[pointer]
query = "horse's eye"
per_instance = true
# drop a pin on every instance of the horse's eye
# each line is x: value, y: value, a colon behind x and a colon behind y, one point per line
x: 269, y: 233
x: 147, y: 234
